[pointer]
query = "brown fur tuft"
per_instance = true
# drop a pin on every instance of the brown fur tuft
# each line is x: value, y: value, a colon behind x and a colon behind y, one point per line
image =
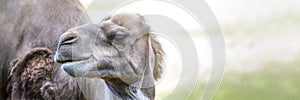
x: 30, y: 76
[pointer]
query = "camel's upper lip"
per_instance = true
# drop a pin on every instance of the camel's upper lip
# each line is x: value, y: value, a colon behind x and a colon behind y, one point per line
x: 70, y: 61
x: 62, y: 60
x: 75, y: 61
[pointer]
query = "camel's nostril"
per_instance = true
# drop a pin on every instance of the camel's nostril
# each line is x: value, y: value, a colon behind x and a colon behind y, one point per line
x: 70, y: 39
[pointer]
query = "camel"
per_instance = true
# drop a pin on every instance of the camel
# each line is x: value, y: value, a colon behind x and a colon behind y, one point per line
x: 30, y: 29
x: 120, y: 50
x: 30, y: 32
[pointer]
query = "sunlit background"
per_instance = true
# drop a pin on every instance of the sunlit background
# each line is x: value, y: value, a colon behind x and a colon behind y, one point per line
x: 262, y: 49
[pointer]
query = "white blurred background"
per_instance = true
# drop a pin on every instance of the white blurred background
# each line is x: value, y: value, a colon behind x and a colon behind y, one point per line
x: 260, y: 36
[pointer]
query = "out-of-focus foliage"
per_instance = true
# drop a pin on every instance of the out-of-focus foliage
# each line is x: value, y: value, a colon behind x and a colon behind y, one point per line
x: 275, y: 81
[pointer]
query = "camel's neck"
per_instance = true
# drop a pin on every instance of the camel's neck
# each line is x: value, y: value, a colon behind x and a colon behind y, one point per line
x: 123, y: 90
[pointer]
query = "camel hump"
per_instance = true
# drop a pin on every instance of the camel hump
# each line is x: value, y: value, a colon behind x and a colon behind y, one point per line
x: 31, y: 76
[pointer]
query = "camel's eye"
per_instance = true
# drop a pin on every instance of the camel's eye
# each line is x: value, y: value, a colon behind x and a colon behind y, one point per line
x: 116, y: 35
x: 120, y: 35
x: 111, y: 35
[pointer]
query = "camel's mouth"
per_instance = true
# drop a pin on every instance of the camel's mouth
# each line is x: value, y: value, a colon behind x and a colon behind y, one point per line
x: 88, y: 68
x: 62, y: 59
x: 79, y: 67
x: 74, y: 62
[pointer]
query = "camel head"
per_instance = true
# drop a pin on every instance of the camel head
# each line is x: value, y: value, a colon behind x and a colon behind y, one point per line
x: 119, y: 47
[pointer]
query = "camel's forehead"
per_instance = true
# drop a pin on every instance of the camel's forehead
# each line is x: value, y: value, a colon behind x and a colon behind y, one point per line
x: 123, y: 18
x: 85, y: 28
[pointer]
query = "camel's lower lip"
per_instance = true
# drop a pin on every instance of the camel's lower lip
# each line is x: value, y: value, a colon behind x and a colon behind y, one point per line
x: 79, y: 68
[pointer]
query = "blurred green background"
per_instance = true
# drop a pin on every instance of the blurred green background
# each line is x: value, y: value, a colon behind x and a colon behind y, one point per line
x: 262, y: 50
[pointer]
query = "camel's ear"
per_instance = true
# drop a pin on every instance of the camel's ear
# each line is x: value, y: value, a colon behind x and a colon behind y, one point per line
x: 159, y: 57
x: 29, y: 74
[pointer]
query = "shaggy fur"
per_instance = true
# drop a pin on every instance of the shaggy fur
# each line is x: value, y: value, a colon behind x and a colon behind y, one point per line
x: 32, y: 77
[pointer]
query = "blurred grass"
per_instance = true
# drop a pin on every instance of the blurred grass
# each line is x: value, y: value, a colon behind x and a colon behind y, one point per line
x: 275, y: 81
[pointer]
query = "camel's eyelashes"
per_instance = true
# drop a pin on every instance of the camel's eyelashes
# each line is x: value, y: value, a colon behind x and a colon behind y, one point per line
x: 118, y: 35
